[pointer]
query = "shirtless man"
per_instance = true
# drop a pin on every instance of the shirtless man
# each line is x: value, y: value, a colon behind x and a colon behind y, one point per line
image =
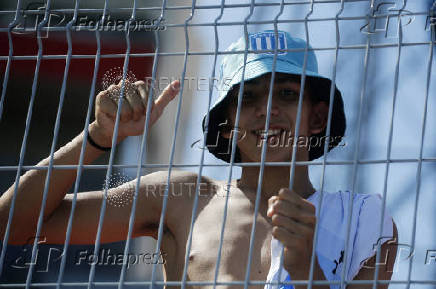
x: 284, y: 214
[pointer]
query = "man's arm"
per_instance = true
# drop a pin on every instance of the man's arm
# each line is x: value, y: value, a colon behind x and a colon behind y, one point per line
x: 116, y: 220
x: 385, y: 270
x: 31, y: 185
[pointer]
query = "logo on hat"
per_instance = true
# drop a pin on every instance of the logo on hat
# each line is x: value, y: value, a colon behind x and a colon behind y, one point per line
x: 267, y: 41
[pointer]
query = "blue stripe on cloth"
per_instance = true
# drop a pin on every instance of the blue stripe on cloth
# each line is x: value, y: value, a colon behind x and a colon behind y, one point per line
x: 263, y: 43
x: 287, y: 286
x: 253, y: 43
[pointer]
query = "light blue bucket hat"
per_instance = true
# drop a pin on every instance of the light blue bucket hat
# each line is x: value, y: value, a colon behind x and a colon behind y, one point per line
x: 260, y: 62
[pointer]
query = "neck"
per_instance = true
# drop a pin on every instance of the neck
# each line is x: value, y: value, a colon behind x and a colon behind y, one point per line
x: 275, y: 178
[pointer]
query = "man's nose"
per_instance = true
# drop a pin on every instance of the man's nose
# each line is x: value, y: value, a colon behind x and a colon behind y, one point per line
x: 262, y: 107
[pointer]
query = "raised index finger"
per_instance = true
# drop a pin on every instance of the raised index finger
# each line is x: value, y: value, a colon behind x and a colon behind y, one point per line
x: 167, y: 95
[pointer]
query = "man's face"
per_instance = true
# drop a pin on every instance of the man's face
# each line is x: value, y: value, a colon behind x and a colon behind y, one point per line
x: 283, y: 119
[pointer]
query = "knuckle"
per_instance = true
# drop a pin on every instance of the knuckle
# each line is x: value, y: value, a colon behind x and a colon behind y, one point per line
x: 283, y: 191
x: 275, y: 219
x: 312, y: 208
x: 103, y: 94
x: 275, y: 231
x: 274, y: 206
x: 140, y: 84
x: 271, y: 200
x: 99, y: 97
x: 278, y: 204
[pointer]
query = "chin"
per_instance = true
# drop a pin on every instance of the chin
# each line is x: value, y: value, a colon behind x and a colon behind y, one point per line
x: 286, y: 157
x: 272, y: 155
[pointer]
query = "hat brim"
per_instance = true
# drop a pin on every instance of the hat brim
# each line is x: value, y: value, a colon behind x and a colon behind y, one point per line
x: 259, y: 67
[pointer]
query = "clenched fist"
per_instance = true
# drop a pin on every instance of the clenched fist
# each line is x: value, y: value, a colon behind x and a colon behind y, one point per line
x: 294, y: 220
x: 133, y: 110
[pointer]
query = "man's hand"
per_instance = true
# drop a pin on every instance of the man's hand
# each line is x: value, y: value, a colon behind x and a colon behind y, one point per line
x: 294, y: 220
x: 133, y: 110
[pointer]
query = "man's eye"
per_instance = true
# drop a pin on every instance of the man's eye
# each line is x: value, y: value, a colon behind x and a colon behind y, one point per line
x: 248, y: 96
x: 289, y: 94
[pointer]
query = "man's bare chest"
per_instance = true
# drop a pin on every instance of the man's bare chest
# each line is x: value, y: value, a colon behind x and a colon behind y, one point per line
x: 221, y: 239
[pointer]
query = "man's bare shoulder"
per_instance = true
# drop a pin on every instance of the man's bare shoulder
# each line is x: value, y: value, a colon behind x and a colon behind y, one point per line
x: 180, y: 194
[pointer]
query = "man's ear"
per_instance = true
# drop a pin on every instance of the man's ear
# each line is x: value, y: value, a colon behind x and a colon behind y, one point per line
x: 318, y: 117
x: 225, y: 133
x: 225, y: 129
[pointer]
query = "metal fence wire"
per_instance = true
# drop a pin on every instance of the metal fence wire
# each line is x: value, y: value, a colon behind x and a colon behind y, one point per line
x: 380, y: 53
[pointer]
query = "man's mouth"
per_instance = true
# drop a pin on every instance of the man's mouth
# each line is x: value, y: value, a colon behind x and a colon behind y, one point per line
x: 267, y: 134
